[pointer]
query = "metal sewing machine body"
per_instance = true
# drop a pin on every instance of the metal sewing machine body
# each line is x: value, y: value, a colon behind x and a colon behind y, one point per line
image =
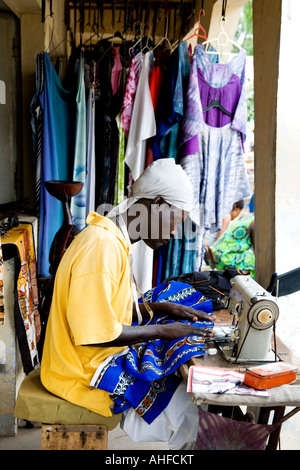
x: 256, y: 312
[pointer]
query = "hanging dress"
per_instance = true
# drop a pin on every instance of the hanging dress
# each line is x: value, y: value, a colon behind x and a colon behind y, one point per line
x: 212, y: 142
x: 90, y: 136
x: 106, y: 132
x: 171, y: 104
x: 58, y: 107
x: 117, y: 69
x: 130, y: 90
x: 180, y: 255
x: 37, y: 127
x: 78, y: 202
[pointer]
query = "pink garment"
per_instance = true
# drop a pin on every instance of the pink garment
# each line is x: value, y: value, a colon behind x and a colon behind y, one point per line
x: 130, y: 91
x: 116, y: 70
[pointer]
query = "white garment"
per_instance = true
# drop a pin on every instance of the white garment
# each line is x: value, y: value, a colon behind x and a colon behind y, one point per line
x: 143, y: 124
x: 143, y: 266
x: 177, y: 424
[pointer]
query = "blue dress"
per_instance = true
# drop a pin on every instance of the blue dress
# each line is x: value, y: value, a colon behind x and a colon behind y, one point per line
x: 57, y: 157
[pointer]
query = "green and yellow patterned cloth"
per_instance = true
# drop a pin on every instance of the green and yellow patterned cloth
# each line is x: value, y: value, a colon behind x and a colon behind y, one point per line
x: 234, y: 247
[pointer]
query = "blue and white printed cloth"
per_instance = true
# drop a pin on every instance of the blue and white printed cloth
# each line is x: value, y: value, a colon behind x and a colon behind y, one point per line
x: 145, y: 376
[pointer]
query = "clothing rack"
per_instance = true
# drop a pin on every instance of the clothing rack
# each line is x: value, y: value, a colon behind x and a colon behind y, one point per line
x: 85, y: 17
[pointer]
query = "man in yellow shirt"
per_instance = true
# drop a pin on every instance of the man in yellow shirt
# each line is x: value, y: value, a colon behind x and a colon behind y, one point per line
x: 92, y: 306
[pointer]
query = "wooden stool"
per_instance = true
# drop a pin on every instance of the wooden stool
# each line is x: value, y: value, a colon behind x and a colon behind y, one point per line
x: 65, y: 426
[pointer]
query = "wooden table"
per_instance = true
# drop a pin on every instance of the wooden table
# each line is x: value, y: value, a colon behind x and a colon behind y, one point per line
x: 229, y: 404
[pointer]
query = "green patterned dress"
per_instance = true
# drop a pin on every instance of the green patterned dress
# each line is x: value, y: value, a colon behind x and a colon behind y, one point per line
x: 234, y: 247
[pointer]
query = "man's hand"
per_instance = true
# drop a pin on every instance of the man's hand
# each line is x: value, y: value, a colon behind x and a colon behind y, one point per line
x: 180, y: 312
x: 167, y: 331
x: 176, y: 330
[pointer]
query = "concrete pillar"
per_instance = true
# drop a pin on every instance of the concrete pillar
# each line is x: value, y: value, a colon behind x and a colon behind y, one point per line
x: 277, y: 136
x: 266, y: 37
x: 277, y: 163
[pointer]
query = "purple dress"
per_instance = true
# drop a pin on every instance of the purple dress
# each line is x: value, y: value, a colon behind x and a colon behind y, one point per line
x: 212, y: 141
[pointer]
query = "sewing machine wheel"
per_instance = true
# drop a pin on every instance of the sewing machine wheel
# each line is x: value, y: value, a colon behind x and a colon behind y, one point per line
x: 262, y: 315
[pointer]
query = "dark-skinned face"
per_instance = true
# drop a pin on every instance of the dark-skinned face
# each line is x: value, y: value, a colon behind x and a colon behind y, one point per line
x: 155, y: 222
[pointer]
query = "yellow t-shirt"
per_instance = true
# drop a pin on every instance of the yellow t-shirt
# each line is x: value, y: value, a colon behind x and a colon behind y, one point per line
x: 92, y: 298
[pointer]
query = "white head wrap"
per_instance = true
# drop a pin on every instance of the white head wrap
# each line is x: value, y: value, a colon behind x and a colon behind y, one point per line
x: 162, y: 178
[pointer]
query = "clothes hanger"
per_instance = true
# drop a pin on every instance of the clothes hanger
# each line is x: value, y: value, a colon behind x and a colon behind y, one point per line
x: 147, y: 42
x: 139, y: 40
x: 117, y: 38
x: 199, y: 28
x: 165, y: 38
x: 222, y: 40
x: 216, y: 104
x: 95, y: 34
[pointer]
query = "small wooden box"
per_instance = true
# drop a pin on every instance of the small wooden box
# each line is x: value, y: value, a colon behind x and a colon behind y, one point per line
x: 74, y: 437
x: 270, y: 375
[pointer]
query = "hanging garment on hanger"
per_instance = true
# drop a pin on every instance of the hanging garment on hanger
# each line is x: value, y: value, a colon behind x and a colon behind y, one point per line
x: 116, y: 71
x: 155, y: 84
x: 78, y: 202
x: 143, y: 125
x: 130, y: 90
x: 90, y: 150
x: 156, y: 77
x: 120, y: 169
x: 215, y: 75
x: 37, y: 127
x: 182, y: 251
x: 171, y: 104
x: 142, y: 128
x: 120, y: 189
x: 106, y: 132
x: 58, y: 156
x: 213, y: 156
x: 169, y: 117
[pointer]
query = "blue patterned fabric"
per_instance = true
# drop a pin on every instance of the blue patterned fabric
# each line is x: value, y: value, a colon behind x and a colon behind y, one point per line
x: 145, y: 376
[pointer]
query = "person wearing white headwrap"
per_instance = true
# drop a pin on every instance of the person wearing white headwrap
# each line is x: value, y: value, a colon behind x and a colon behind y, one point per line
x: 162, y: 178
x: 92, y: 308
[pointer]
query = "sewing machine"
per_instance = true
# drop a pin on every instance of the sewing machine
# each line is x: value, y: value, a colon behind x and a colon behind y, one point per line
x: 255, y: 312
